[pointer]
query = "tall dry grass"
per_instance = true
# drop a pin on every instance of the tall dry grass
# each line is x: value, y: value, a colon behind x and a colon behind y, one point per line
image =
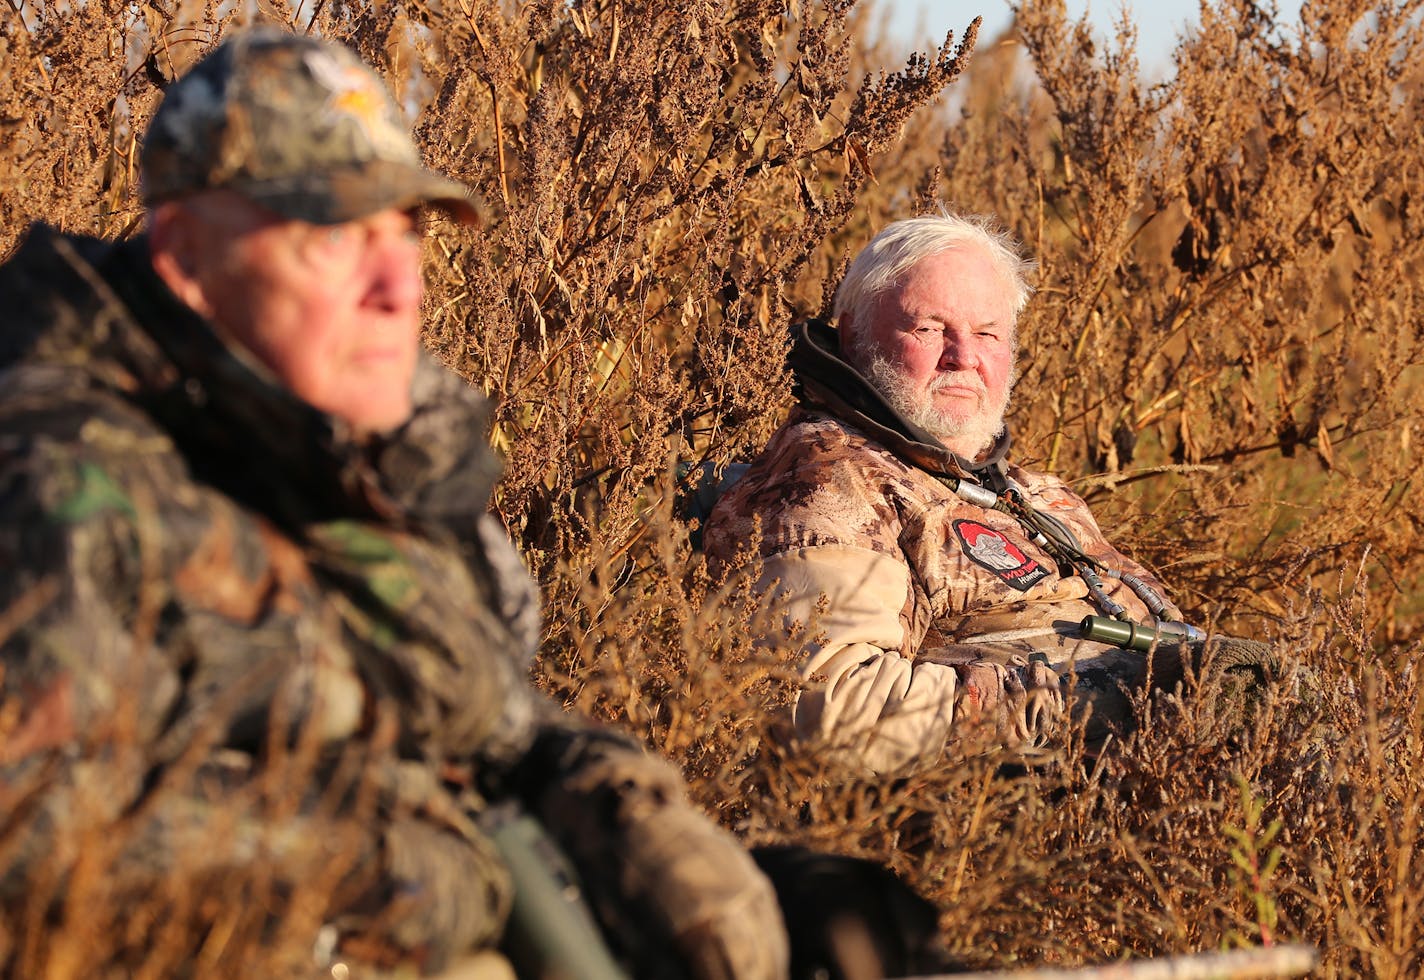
x: 1222, y: 355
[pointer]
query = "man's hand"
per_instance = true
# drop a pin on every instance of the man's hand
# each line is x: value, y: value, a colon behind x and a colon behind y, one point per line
x: 1022, y: 702
x: 678, y: 894
x: 720, y: 911
x: 1247, y: 664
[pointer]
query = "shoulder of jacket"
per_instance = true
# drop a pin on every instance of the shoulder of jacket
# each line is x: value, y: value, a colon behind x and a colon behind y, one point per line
x: 822, y: 440
x: 1036, y: 481
x: 59, y: 404
x: 82, y: 453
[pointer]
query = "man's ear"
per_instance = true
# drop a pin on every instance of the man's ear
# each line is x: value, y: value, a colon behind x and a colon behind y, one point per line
x: 175, y: 252
x: 843, y: 332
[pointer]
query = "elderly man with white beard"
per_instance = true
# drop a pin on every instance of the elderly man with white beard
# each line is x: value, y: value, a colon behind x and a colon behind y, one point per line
x: 947, y: 590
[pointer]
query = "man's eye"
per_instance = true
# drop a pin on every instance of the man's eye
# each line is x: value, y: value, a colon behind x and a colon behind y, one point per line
x: 330, y: 247
x: 332, y: 238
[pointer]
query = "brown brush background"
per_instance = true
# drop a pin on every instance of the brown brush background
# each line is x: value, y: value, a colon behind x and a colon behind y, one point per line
x: 1223, y: 356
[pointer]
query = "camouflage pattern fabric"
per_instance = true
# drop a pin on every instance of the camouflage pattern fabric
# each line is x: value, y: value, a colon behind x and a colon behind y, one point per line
x: 200, y: 567
x: 297, y: 124
x: 935, y: 607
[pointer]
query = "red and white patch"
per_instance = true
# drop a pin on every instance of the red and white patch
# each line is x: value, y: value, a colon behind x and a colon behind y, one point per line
x: 989, y: 549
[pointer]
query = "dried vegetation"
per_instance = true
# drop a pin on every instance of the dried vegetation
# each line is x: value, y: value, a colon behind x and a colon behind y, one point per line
x: 1223, y: 354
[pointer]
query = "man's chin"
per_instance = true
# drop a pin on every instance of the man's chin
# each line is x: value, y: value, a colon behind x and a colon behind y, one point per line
x: 968, y: 438
x: 944, y: 426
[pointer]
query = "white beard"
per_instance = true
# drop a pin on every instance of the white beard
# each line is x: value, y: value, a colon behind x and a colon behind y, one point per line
x: 970, y: 434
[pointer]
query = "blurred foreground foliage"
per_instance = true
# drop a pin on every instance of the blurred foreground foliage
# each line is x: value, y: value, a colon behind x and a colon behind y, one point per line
x: 1223, y: 354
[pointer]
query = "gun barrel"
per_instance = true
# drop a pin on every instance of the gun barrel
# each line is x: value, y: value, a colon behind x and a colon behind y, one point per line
x: 550, y: 932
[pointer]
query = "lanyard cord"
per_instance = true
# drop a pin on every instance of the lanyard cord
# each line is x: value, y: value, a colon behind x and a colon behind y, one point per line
x: 1057, y: 540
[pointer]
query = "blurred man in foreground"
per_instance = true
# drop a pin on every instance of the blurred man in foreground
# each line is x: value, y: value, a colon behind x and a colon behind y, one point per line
x: 242, y: 517
x: 955, y: 584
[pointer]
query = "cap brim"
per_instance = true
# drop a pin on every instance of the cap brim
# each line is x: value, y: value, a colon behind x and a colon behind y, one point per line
x: 334, y: 197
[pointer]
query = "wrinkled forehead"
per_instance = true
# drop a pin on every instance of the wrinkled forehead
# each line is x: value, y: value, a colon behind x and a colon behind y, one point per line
x: 962, y: 277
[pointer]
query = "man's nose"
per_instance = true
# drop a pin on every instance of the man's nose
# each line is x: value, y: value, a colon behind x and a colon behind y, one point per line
x: 957, y: 354
x: 396, y: 283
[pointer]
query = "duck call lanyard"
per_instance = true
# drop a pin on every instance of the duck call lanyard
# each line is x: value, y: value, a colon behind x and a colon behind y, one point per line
x: 1055, y: 538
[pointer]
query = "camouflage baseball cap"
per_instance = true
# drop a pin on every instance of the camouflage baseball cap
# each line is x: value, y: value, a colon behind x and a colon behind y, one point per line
x: 297, y: 124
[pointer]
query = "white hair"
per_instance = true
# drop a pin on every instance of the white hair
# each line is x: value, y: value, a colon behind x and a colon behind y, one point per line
x: 903, y: 244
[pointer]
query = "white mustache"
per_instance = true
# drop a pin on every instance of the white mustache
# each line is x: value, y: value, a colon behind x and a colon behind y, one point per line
x: 959, y: 379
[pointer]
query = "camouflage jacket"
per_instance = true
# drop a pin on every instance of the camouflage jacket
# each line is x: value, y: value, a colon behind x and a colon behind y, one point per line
x: 915, y: 580
x: 194, y: 559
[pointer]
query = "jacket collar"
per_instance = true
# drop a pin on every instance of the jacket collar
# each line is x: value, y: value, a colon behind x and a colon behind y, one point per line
x: 825, y: 383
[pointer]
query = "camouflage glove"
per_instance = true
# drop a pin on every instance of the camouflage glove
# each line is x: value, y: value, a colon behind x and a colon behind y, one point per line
x: 648, y: 857
x: 431, y: 896
x: 1021, y: 704
x: 1245, y: 664
x: 433, y: 888
x: 1246, y: 658
x: 1230, y: 675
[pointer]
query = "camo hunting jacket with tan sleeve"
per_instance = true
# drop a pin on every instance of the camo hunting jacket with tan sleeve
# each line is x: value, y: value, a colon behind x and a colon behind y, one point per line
x: 914, y: 580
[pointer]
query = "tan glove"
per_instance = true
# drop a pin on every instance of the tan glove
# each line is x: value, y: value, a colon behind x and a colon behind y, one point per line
x: 648, y: 858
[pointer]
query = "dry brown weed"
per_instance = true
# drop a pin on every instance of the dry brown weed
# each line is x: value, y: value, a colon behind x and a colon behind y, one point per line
x: 1223, y: 354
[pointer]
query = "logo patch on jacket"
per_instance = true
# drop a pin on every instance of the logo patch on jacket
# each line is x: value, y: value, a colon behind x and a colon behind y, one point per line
x: 989, y: 549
